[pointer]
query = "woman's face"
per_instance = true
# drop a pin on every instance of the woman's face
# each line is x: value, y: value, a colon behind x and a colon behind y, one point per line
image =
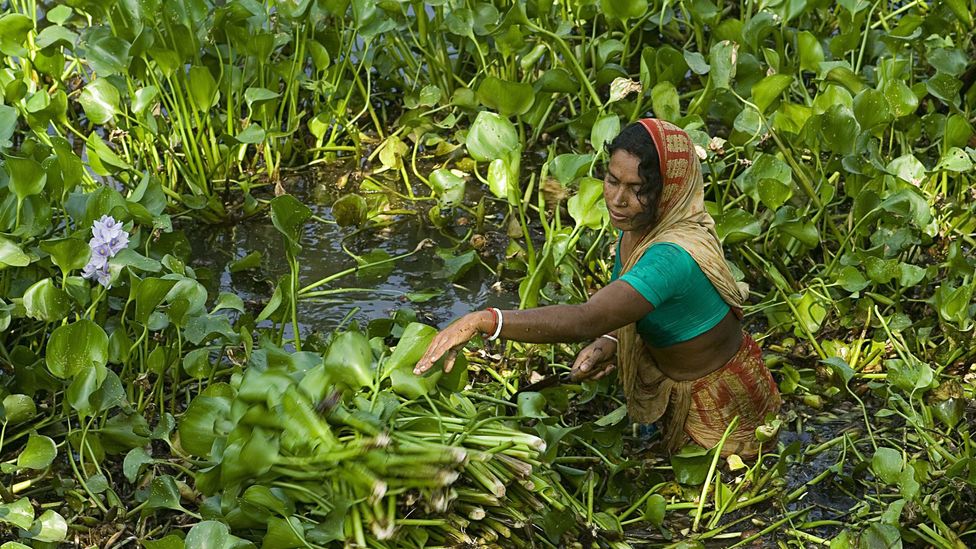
x: 621, y: 187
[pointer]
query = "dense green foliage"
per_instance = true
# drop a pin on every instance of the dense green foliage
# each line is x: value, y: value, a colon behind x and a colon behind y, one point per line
x: 837, y: 145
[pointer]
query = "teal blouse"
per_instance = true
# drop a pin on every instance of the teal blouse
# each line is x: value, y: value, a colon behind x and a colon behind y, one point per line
x: 686, y: 304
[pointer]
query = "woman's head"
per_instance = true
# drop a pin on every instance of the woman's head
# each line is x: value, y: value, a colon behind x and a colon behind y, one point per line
x: 633, y: 182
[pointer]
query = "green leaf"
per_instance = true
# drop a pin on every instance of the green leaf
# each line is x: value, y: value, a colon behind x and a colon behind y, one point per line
x: 106, y: 53
x: 198, y: 425
x: 99, y: 152
x: 258, y: 96
x: 664, y: 101
x: 901, y: 100
x: 567, y: 167
x: 49, y: 527
x: 839, y: 129
x: 133, y: 463
x: 38, y: 454
x: 696, y: 62
x: 8, y: 124
x: 871, y: 109
x: 75, y: 347
x: 251, y: 135
x: 623, y: 9
x: 17, y: 409
x: 44, y: 301
x: 811, y: 312
x: 765, y: 167
x: 944, y: 87
x: 14, y: 28
x: 557, y: 80
x: 250, y: 261
x: 532, y: 404
x: 852, y: 280
x: 349, y: 360
x: 413, y: 342
x: 491, y: 137
x: 350, y: 210
x: 230, y: 301
x: 456, y: 266
x: 880, y: 536
x: 654, y: 509
x: 774, y: 193
x: 954, y: 160
x: 202, y: 87
x: 171, y: 541
x: 604, y: 129
x: 27, y: 177
x: 503, y: 176
x: 209, y: 534
x: 148, y: 294
x: 164, y: 494
x: 691, y: 464
x: 723, y: 57
x: 144, y: 98
x: 508, y: 98
x: 19, y: 513
x: 811, y: 52
x: 288, y: 216
x: 284, y: 534
x: 100, y: 99
x: 767, y: 90
x: 11, y: 255
x: 69, y: 254
x: 737, y: 225
x: 448, y: 186
x: 587, y: 207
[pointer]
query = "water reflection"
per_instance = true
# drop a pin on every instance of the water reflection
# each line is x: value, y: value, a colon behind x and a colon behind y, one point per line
x: 322, y: 255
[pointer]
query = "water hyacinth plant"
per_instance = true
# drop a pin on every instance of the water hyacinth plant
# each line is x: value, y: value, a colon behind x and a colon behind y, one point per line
x: 189, y: 402
x: 108, y: 238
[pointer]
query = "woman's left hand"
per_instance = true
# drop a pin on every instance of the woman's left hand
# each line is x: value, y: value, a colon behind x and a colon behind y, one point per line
x: 450, y: 340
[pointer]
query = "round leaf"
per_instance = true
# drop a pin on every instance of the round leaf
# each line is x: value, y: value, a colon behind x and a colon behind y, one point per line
x: 45, y: 301
x: 350, y: 210
x: 448, y: 186
x: 508, y: 98
x: 38, y: 454
x: 50, y: 527
x: 491, y: 137
x: 767, y: 90
x: 27, y: 177
x: 76, y: 347
x: 11, y: 255
x: 100, y: 99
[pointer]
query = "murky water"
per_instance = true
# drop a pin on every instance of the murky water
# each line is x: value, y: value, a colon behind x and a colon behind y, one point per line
x: 365, y: 299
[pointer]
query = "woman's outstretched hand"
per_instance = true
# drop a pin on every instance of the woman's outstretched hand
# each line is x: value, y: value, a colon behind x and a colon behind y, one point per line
x: 450, y: 340
x: 595, y: 360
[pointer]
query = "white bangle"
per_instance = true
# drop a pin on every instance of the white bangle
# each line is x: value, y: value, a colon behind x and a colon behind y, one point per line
x: 611, y: 338
x: 498, y: 328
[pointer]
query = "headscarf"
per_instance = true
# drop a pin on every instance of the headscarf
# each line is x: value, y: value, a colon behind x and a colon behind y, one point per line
x: 682, y: 220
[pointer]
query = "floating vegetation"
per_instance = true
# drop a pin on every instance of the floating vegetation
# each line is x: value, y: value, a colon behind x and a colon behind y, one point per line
x: 149, y: 399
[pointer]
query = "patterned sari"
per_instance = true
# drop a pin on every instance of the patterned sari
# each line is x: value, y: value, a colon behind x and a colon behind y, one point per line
x: 699, y: 409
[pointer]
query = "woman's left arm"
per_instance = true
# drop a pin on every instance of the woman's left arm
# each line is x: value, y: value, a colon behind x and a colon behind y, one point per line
x: 612, y: 307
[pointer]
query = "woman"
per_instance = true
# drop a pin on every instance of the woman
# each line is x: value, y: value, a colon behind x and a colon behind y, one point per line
x: 671, y: 315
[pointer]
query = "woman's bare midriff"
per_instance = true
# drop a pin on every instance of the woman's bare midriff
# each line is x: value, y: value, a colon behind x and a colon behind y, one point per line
x: 703, y: 354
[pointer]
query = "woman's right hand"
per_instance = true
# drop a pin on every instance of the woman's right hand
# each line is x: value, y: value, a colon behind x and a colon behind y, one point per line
x: 595, y: 360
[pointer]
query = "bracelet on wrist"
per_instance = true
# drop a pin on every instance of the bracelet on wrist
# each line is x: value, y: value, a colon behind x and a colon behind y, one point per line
x: 611, y: 338
x: 499, y: 320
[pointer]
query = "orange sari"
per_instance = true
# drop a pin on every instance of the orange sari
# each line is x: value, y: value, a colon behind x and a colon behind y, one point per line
x: 699, y: 409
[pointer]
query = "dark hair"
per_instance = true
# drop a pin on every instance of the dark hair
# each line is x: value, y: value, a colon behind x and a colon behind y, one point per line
x: 637, y: 141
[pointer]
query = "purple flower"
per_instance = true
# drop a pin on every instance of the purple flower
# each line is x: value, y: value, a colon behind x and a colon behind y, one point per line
x: 107, y: 228
x: 108, y: 238
x: 98, y: 272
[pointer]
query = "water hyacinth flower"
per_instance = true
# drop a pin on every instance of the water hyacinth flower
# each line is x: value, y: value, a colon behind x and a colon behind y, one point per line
x: 108, y: 238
